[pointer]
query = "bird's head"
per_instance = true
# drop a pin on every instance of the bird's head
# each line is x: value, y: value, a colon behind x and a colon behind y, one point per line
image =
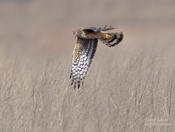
x: 82, y: 33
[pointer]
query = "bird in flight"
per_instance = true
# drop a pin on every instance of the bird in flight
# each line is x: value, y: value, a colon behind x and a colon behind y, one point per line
x: 85, y: 47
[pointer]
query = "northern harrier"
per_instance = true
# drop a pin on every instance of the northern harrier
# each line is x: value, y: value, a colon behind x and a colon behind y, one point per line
x: 85, y: 47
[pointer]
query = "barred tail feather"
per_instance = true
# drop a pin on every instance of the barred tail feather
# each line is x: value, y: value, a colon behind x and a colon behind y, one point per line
x: 116, y: 39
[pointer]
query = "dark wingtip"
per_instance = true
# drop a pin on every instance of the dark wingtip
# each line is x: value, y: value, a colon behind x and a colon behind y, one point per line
x: 77, y: 84
x: 72, y: 82
x: 121, y: 37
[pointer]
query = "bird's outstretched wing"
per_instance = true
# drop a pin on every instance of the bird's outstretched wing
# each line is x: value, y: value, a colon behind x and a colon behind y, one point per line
x: 83, y: 53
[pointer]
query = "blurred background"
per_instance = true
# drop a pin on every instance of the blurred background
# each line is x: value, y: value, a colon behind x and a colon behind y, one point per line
x: 48, y: 23
x: 126, y: 86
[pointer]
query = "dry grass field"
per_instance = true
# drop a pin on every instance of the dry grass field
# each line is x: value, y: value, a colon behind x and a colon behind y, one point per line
x: 129, y: 88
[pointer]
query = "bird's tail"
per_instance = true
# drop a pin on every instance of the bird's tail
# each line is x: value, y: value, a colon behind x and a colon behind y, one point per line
x: 112, y: 39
